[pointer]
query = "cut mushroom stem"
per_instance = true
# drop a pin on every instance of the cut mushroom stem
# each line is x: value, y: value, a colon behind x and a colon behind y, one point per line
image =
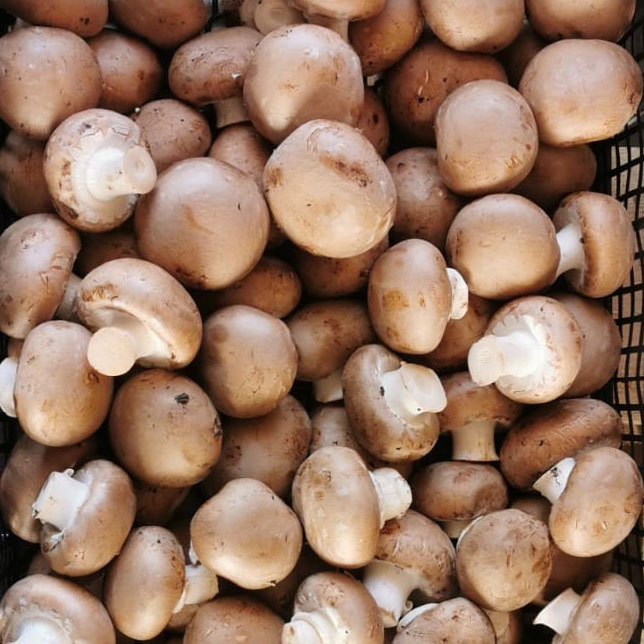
x: 230, y: 111
x: 317, y: 627
x: 8, y: 370
x: 329, y: 389
x: 390, y: 586
x: 394, y: 493
x: 43, y: 631
x: 201, y: 585
x: 65, y: 310
x: 571, y: 248
x: 60, y: 499
x: 454, y: 528
x: 414, y: 613
x: 474, y: 442
x: 341, y: 27
x: 558, y: 613
x: 553, y: 482
x: 460, y: 294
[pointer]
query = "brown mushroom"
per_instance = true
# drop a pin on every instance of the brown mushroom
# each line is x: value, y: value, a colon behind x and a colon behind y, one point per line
x: 520, y: 52
x: 507, y: 626
x: 100, y: 248
x: 373, y: 121
x: 268, y: 15
x: 156, y: 505
x: 337, y: 13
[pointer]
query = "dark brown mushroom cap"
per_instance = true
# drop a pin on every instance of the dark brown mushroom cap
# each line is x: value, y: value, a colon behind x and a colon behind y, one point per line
x: 99, y: 248
x: 516, y: 56
x: 555, y: 431
x: 156, y: 505
x: 373, y: 121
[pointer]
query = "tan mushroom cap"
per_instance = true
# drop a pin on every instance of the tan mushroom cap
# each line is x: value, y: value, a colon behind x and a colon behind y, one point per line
x: 31, y: 248
x: 248, y: 361
x: 516, y: 56
x: 601, y: 344
x: 41, y: 606
x: 373, y: 121
x: 268, y: 15
x: 413, y: 95
x: 22, y: 181
x: 581, y: 90
x: 210, y: 207
x: 156, y: 505
x: 145, y: 582
x: 508, y: 627
x: 603, y: 235
x: 497, y: 141
x: 341, y: 9
x: 48, y: 75
x: 239, y: 618
x: 247, y: 534
x: 269, y: 448
x: 99, y: 248
x: 552, y: 432
x: 517, y: 560
x: 321, y: 74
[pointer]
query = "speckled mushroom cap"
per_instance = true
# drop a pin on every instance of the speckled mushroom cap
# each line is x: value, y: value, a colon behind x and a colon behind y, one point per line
x: 72, y: 614
x: 556, y: 431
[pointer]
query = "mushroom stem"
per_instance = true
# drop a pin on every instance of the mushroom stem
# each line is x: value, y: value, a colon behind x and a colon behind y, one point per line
x: 341, y: 27
x: 329, y: 389
x: 65, y: 310
x: 113, y: 171
x: 412, y: 390
x: 455, y: 527
x: 558, y: 613
x: 59, y: 499
x: 8, y: 370
x: 474, y: 442
x: 414, y: 613
x: 394, y: 493
x: 390, y: 586
x: 460, y: 294
x: 272, y: 14
x: 201, y: 585
x: 318, y: 627
x: 112, y: 351
x: 230, y: 111
x: 553, y: 482
x: 43, y: 631
x: 571, y: 248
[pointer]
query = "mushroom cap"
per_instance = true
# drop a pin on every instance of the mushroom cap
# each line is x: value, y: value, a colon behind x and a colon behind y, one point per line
x: 299, y: 73
x: 210, y: 207
x: 608, y: 240
x: 507, y: 626
x: 100, y: 526
x: 472, y: 25
x: 37, y: 253
x: 60, y: 398
x: 581, y: 90
x: 600, y: 504
x: 247, y: 534
x: 553, y: 432
x: 99, y: 248
x: 47, y: 75
x: 248, y: 361
x: 239, y: 618
x: 340, y: 9
x: 129, y: 288
x: 413, y: 95
x: 454, y: 490
x: 156, y: 505
x: 516, y: 563
x: 410, y: 296
x: 454, y: 620
x: 22, y: 181
x: 76, y: 613
x: 212, y: 67
x: 269, y: 448
x: 373, y: 121
x: 376, y: 427
x: 601, y: 343
x: 164, y: 430
x: 516, y: 56
x: 336, y: 501
x: 356, y: 208
x: 496, y: 145
x: 383, y: 39
x: 145, y: 582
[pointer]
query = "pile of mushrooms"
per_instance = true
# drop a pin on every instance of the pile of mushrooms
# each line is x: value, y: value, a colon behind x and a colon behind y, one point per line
x: 304, y: 314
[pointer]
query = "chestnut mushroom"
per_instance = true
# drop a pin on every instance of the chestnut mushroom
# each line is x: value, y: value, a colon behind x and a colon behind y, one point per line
x: 336, y: 14
x: 516, y: 56
x: 268, y: 15
x: 373, y: 121
x: 156, y: 505
x: 507, y: 625
x: 100, y: 248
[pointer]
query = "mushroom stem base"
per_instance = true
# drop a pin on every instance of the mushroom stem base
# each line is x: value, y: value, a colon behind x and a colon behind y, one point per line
x: 112, y: 351
x: 230, y: 111
x: 474, y: 442
x: 41, y: 631
x: 390, y: 586
x: 553, y: 482
x: 558, y: 613
x: 454, y: 528
x: 319, y: 627
x: 394, y: 493
x: 329, y: 389
x: 571, y: 249
x: 59, y: 499
x: 8, y: 370
x: 200, y: 586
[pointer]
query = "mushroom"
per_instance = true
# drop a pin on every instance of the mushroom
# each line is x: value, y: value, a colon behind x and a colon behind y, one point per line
x: 454, y: 620
x: 520, y: 52
x: 373, y: 121
x: 382, y: 40
x: 24, y: 473
x: 37, y: 253
x: 212, y: 68
x: 457, y: 493
x: 210, y: 207
x: 557, y: 172
x: 52, y: 364
x: 269, y: 448
x: 497, y: 140
x: 342, y: 505
x: 139, y: 313
x: 86, y: 517
x: 22, y: 181
x: 597, y: 243
x: 507, y: 626
x: 100, y: 248
x: 472, y: 415
x: 516, y: 564
x: 531, y: 350
x: 299, y: 73
x: 247, y: 534
x: 471, y: 25
x: 601, y: 344
x: 48, y: 74
x: 156, y: 505
x: 608, y: 612
x: 268, y: 15
x: 43, y: 609
x: 391, y: 404
x: 413, y: 554
x: 603, y: 73
x: 333, y: 608
x: 336, y: 14
x: 234, y: 619
x: 504, y: 246
x: 164, y: 430
x: 413, y: 94
x: 248, y: 361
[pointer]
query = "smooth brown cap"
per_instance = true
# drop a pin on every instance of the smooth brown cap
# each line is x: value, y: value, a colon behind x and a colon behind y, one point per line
x: 341, y: 9
x: 99, y: 248
x: 373, y: 121
x: 516, y: 56
x: 156, y: 505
